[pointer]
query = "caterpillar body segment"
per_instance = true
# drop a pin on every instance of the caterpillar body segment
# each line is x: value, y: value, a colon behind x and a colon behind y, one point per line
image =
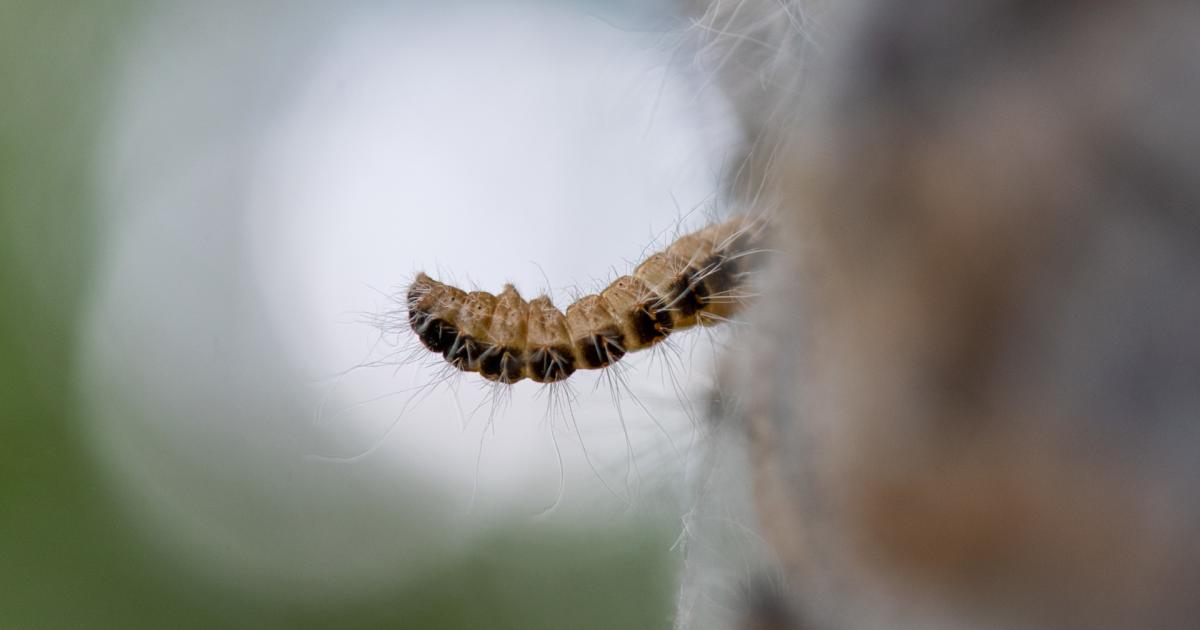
x: 597, y: 336
x: 548, y: 352
x: 432, y: 307
x: 697, y: 280
x: 503, y: 359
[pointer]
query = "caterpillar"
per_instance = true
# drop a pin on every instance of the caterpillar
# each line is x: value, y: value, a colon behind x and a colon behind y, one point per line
x: 700, y: 279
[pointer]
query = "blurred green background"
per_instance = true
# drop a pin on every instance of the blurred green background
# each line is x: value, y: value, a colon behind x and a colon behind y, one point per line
x: 71, y: 555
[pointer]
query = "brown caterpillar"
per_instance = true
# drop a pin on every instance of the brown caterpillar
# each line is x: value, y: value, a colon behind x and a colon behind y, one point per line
x: 698, y: 280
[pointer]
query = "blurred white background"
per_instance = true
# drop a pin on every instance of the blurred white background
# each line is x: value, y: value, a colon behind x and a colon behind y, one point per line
x: 273, y: 174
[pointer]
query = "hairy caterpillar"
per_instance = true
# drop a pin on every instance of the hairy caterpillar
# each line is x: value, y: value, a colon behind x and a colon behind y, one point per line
x: 700, y: 279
